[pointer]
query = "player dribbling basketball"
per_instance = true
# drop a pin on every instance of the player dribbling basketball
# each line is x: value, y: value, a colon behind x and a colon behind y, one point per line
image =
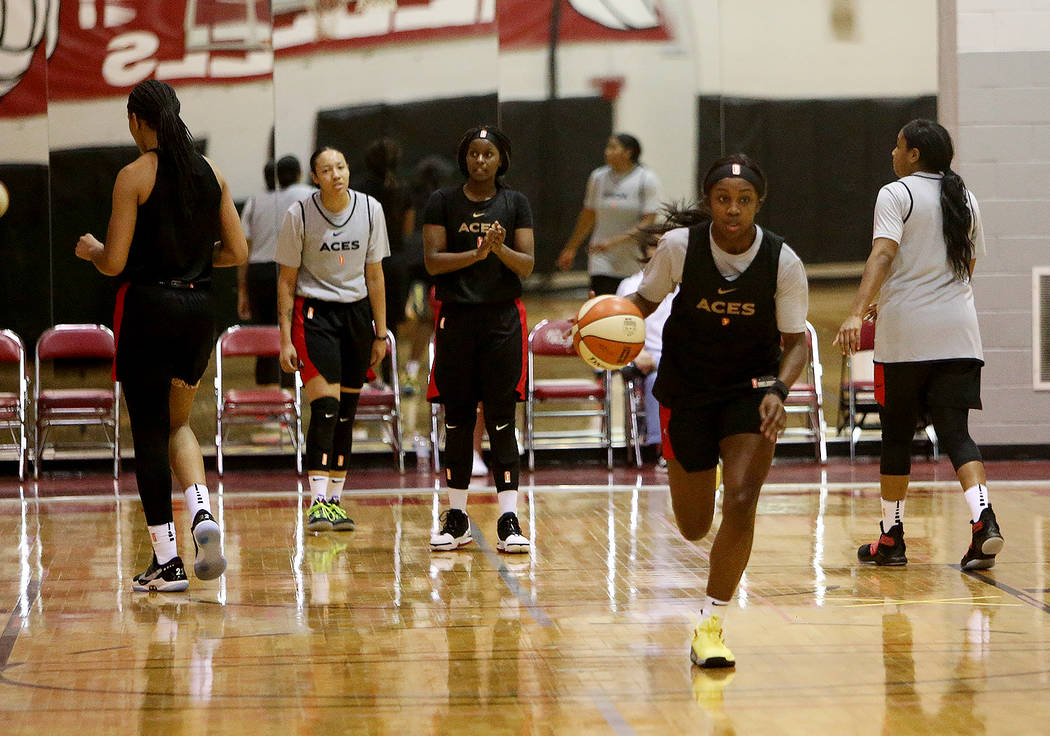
x: 723, y: 376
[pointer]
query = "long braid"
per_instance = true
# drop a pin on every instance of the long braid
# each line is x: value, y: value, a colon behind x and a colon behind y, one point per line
x: 157, y: 104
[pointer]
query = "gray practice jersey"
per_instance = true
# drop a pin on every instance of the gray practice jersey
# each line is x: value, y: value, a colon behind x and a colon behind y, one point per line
x: 619, y: 201
x: 330, y: 249
x: 262, y: 217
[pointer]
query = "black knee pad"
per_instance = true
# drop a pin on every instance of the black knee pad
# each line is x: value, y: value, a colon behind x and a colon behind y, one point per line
x: 320, y: 436
x: 459, y: 444
x: 343, y: 439
x: 506, y: 463
x: 953, y: 432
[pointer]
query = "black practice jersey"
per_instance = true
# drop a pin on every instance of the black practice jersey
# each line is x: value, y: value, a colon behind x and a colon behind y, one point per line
x: 465, y: 222
x: 168, y: 244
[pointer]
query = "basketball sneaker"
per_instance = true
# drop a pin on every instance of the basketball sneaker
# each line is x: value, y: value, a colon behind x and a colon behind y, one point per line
x: 985, y: 544
x: 337, y: 515
x: 709, y: 645
x: 508, y: 535
x: 889, y: 550
x: 318, y: 517
x: 455, y: 531
x: 208, y: 562
x: 167, y: 578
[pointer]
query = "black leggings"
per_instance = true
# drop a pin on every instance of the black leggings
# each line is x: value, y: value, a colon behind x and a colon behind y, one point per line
x: 164, y: 334
x: 951, y: 425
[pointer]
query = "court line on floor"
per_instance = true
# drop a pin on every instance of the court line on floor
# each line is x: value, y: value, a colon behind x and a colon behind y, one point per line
x: 837, y: 486
x: 511, y: 580
x: 14, y: 622
x: 1018, y: 594
x: 612, y: 715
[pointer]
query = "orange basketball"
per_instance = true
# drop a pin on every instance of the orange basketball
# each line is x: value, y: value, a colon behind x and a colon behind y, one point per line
x: 609, y: 332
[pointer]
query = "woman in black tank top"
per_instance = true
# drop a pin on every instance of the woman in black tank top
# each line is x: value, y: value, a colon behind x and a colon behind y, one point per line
x: 722, y: 381
x: 173, y: 219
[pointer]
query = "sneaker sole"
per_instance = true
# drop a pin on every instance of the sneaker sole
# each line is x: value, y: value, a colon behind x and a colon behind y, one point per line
x: 161, y: 586
x: 512, y: 549
x: 992, y: 546
x: 343, y: 526
x: 710, y: 662
x: 319, y: 526
x: 210, y: 563
x: 979, y: 564
x: 450, y: 546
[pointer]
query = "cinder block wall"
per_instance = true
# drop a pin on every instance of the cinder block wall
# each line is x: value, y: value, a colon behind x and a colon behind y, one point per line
x: 1002, y: 65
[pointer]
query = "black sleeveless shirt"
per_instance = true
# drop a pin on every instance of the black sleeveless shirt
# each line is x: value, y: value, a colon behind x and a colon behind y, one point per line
x: 720, y: 334
x: 169, y: 245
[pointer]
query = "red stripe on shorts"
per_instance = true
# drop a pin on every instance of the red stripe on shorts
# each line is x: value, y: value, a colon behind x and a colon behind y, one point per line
x: 880, y: 385
x: 523, y: 378
x: 432, y: 389
x: 665, y: 439
x: 118, y: 316
x: 307, y: 369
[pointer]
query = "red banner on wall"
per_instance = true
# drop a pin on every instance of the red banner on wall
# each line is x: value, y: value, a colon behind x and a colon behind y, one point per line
x: 103, y: 48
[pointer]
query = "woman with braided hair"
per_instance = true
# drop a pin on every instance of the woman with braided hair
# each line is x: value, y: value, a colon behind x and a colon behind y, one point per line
x: 928, y: 353
x: 172, y: 221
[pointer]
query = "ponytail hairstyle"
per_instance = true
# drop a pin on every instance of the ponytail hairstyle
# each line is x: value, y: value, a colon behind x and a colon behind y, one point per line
x: 156, y: 103
x: 935, y: 155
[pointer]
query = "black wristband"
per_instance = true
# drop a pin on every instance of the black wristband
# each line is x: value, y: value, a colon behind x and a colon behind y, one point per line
x: 779, y: 388
x: 378, y: 338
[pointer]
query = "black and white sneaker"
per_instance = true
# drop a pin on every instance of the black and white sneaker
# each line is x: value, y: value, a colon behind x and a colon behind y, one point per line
x: 208, y: 562
x: 508, y: 535
x: 167, y: 578
x: 455, y: 531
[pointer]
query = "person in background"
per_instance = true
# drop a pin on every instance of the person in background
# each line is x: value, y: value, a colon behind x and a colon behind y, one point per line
x: 928, y: 352
x: 622, y: 199
x: 257, y: 280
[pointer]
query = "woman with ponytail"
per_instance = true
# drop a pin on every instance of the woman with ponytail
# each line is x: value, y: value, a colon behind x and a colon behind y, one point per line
x: 928, y: 353
x: 173, y: 220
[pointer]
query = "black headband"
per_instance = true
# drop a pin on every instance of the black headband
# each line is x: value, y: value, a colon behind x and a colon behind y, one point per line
x: 736, y: 171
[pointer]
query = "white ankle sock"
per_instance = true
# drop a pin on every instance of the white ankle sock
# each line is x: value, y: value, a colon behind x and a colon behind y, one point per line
x: 508, y: 502
x: 977, y: 500
x: 163, y: 538
x: 319, y: 486
x: 335, y: 487
x: 197, y: 498
x: 712, y: 606
x: 892, y: 513
x: 457, y: 498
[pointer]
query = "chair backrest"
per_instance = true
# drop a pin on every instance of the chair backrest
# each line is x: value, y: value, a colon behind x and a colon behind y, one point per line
x: 552, y: 337
x: 867, y: 335
x: 250, y: 340
x: 76, y: 341
x: 12, y: 350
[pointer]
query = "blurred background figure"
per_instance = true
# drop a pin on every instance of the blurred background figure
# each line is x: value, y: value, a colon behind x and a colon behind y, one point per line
x: 257, y: 279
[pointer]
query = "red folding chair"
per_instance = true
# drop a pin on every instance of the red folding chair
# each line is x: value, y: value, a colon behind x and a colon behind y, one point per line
x: 561, y: 398
x: 14, y: 405
x: 251, y: 407
x: 82, y: 406
x: 381, y: 405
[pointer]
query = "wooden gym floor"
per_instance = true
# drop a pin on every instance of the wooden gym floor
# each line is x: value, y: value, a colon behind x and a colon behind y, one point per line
x: 369, y: 632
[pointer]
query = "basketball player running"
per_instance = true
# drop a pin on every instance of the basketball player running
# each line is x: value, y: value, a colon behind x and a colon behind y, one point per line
x: 723, y: 376
x: 928, y: 353
x: 170, y: 207
x: 330, y: 290
x: 478, y: 244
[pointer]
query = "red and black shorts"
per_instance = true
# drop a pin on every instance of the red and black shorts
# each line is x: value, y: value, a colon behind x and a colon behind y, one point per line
x: 333, y: 340
x: 925, y: 384
x: 479, y: 354
x: 691, y: 435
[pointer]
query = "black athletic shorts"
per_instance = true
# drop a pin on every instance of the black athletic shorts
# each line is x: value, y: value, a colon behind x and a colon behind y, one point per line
x: 692, y: 435
x: 163, y: 333
x: 333, y: 340
x: 929, y: 383
x: 479, y: 354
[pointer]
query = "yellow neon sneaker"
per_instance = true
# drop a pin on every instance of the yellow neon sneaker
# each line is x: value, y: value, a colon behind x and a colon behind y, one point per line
x: 709, y: 647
